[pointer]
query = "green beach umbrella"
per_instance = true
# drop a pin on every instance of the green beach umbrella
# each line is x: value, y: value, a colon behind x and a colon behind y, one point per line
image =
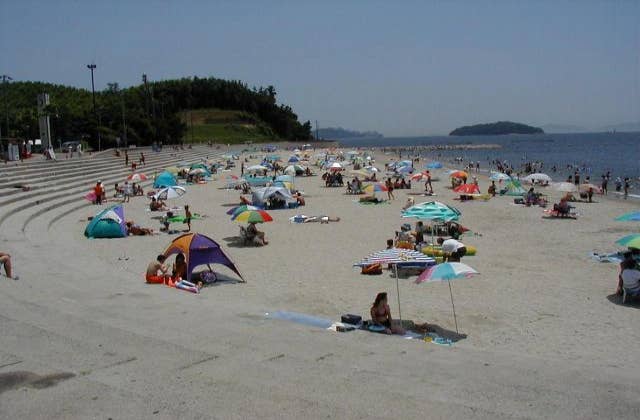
x: 634, y: 216
x: 630, y: 241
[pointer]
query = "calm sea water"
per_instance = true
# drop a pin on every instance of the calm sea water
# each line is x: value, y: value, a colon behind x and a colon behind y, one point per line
x: 592, y: 153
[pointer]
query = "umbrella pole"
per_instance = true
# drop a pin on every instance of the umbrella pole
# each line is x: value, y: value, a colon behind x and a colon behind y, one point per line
x: 455, y: 319
x: 395, y: 266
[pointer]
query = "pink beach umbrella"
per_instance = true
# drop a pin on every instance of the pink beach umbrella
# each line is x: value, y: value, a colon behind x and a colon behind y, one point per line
x: 137, y: 177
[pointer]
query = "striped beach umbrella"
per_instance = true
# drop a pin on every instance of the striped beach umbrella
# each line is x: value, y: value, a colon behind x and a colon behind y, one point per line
x: 170, y: 193
x: 375, y: 187
x: 630, y: 241
x: 138, y: 177
x: 239, y: 209
x: 253, y: 216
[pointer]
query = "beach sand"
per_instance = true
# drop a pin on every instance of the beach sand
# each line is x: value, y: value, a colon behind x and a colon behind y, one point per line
x: 545, y: 338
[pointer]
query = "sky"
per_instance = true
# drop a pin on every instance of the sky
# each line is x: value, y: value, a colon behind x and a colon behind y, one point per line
x: 402, y: 68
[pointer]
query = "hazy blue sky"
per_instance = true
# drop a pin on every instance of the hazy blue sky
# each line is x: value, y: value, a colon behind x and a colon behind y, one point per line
x: 399, y: 67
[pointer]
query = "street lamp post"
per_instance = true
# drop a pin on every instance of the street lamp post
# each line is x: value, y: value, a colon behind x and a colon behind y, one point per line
x: 92, y: 67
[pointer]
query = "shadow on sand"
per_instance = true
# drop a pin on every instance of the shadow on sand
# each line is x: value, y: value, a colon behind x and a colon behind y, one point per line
x: 632, y: 302
x: 433, y: 328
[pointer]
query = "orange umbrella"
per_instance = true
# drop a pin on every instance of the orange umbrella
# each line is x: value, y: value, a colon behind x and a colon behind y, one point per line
x: 459, y: 174
x: 467, y: 189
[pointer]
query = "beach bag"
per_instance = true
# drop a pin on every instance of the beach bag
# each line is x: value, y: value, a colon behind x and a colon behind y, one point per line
x: 351, y: 319
x: 372, y: 269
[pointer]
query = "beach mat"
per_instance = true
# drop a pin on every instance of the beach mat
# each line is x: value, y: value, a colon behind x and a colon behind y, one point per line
x: 300, y: 318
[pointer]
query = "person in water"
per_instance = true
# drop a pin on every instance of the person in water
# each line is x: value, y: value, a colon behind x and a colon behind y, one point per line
x: 381, y: 315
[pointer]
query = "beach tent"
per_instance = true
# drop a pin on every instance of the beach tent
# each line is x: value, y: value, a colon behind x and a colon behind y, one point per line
x: 513, y: 188
x: 294, y: 170
x: 109, y: 223
x: 164, y: 180
x: 284, y: 178
x: 260, y: 196
x: 199, y: 250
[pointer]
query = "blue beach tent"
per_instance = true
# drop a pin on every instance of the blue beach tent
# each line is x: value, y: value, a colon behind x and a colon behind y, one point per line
x: 109, y: 223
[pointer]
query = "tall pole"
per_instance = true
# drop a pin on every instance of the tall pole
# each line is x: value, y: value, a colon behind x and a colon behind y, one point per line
x: 92, y: 67
x: 124, y: 122
x: 5, y: 80
x: 317, y: 131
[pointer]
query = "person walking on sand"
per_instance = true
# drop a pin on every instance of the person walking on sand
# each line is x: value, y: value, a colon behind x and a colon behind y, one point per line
x: 126, y: 158
x: 142, y: 159
x: 627, y: 184
x: 187, y: 218
x: 5, y: 260
x: 605, y: 181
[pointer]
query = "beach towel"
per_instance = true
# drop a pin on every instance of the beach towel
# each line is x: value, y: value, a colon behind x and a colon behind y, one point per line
x: 181, y: 219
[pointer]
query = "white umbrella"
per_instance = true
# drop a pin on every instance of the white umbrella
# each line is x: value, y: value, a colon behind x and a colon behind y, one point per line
x: 170, y: 192
x: 538, y: 177
x: 335, y: 166
x: 565, y: 187
x: 256, y: 168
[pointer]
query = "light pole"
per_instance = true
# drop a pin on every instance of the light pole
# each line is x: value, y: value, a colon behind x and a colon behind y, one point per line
x: 5, y: 80
x: 92, y: 67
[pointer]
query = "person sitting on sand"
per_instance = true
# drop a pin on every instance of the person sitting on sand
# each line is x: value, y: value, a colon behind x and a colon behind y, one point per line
x: 404, y: 238
x: 136, y: 230
x: 156, y: 205
x: 453, y: 250
x: 492, y: 189
x: 629, y: 277
x: 157, y: 271
x: 562, y: 208
x: 5, y: 260
x: 381, y: 315
x: 180, y: 267
x: 253, y: 232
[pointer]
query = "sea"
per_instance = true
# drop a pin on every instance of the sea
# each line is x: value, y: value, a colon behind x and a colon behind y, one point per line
x: 592, y: 154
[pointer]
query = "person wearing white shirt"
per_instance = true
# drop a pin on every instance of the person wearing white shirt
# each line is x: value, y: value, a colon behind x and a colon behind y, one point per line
x: 630, y: 277
x: 454, y: 250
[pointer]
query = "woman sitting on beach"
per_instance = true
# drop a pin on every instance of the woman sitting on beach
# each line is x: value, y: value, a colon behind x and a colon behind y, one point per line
x: 180, y: 267
x: 156, y: 205
x: 381, y: 315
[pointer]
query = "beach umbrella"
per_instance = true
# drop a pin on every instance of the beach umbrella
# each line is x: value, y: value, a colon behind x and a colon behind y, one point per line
x: 634, y: 216
x: 538, y: 177
x: 335, y: 166
x: 499, y: 176
x: 433, y: 210
x: 239, y: 209
x: 285, y: 178
x: 170, y: 193
x: 467, y: 189
x: 447, y: 272
x: 397, y: 257
x: 137, y: 177
x: 293, y: 169
x: 90, y: 196
x: 253, y: 216
x: 433, y: 165
x: 172, y: 170
x: 375, y: 187
x: 565, y: 187
x: 256, y: 168
x: 630, y: 241
x: 371, y: 169
x: 420, y: 176
x: 294, y: 159
x: 404, y: 169
x: 459, y: 174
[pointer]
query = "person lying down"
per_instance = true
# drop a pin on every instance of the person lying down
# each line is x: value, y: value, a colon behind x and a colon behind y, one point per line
x: 301, y: 218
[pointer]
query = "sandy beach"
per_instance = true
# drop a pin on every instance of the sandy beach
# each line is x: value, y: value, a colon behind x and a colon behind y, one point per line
x: 83, y: 336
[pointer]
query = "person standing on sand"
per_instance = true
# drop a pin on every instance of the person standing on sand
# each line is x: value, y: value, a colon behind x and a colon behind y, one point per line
x: 187, y: 218
x: 142, y: 163
x: 605, y: 181
x: 5, y: 260
x: 126, y: 158
x: 98, y: 191
x: 389, y: 185
x: 627, y: 184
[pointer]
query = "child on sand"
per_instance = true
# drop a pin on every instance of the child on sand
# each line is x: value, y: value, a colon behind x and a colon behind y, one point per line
x: 187, y: 217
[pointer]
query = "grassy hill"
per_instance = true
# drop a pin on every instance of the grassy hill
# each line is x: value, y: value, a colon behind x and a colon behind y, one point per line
x: 224, y: 126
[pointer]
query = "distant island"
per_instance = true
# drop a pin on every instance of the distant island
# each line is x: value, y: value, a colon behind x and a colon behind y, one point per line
x: 496, y: 128
x: 343, y: 133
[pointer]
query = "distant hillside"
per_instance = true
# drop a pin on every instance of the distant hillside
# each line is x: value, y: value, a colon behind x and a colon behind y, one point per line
x: 224, y: 126
x: 343, y: 133
x: 496, y: 128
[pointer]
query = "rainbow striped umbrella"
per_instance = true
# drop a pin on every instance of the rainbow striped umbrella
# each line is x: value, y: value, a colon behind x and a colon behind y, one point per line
x: 630, y: 241
x: 253, y: 216
x: 375, y: 187
x: 239, y: 209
